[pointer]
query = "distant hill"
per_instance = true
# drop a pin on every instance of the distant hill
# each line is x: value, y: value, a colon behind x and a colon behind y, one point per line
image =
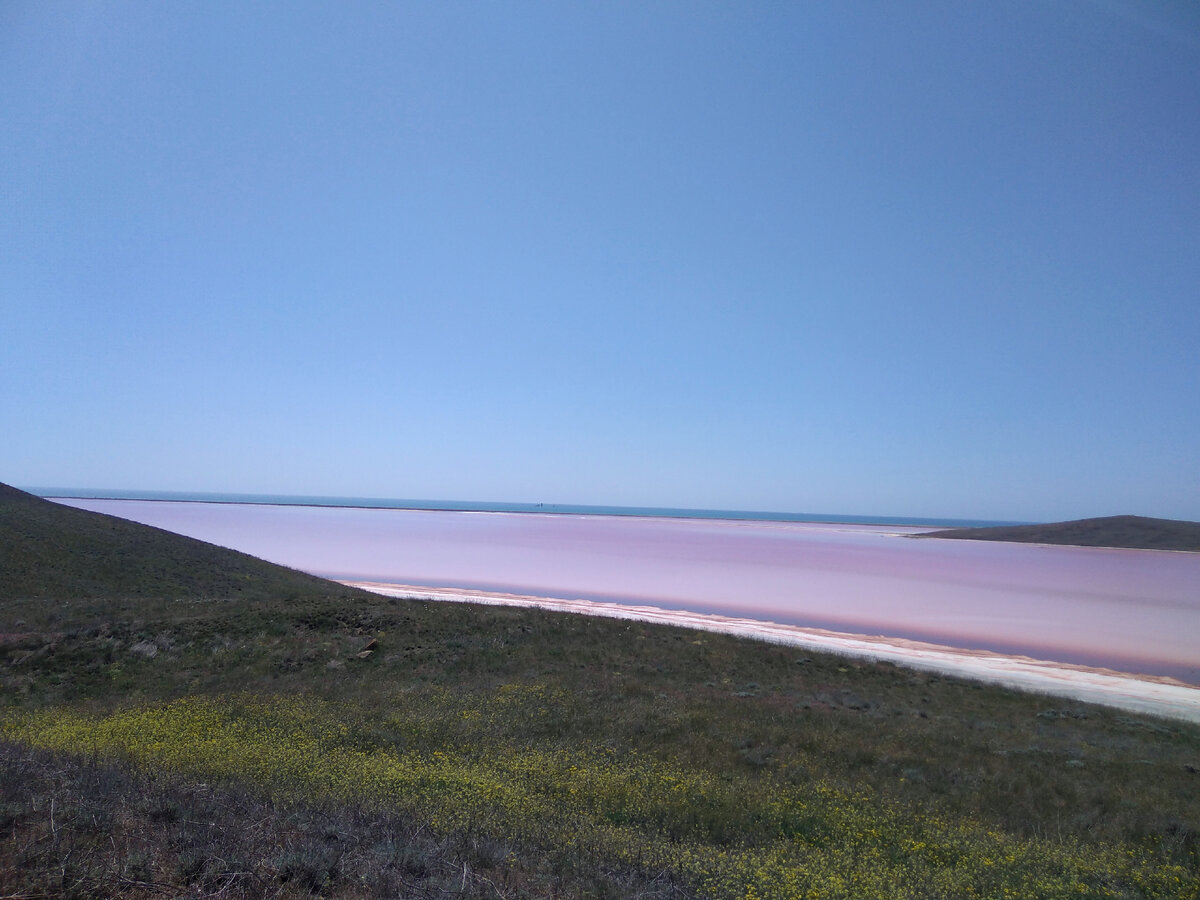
x: 52, y: 551
x: 1132, y: 532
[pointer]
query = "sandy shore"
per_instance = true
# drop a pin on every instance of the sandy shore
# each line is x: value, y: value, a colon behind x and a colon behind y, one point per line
x: 1137, y: 693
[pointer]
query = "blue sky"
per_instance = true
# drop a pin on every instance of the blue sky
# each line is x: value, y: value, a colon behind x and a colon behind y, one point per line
x: 929, y: 259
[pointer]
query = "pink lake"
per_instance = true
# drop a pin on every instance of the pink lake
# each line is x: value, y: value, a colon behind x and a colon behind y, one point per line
x: 1130, y: 610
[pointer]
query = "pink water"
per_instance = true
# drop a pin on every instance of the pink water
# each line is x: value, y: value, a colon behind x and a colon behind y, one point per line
x: 1131, y: 610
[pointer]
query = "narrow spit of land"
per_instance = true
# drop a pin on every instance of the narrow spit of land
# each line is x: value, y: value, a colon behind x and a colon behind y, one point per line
x: 1123, y: 532
x: 175, y: 719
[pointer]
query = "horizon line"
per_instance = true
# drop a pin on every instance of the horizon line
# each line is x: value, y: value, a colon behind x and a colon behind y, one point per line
x: 504, y: 506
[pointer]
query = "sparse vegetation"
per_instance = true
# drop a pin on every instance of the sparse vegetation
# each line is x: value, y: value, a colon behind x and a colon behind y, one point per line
x: 315, y: 740
x: 1129, y: 532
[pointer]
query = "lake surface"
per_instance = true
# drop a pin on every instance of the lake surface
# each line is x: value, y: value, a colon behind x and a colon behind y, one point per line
x: 1130, y: 610
x: 492, y: 506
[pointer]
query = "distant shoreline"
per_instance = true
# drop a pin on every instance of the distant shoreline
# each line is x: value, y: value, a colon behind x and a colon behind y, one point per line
x: 1153, y: 694
x: 562, y: 509
x: 1109, y: 532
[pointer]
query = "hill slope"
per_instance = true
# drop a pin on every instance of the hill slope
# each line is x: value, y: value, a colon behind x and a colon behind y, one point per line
x: 1132, y: 532
x: 54, y: 552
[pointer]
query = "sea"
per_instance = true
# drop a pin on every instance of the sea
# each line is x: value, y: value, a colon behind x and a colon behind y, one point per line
x: 1134, y: 611
x: 494, y: 506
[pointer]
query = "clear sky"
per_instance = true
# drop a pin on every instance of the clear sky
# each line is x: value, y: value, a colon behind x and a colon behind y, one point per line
x: 929, y: 259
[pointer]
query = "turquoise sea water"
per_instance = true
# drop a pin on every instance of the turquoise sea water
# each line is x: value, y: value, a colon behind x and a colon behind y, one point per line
x: 491, y: 506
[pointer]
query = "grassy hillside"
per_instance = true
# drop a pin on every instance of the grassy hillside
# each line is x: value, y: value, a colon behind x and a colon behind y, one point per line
x: 56, y: 552
x: 1133, y: 532
x: 299, y: 739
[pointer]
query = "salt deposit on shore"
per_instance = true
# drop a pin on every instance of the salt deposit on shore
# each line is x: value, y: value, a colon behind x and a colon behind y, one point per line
x: 1144, y: 694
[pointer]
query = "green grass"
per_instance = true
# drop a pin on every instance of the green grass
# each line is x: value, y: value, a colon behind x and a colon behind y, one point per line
x: 53, y: 552
x: 504, y: 752
x: 1132, y: 532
